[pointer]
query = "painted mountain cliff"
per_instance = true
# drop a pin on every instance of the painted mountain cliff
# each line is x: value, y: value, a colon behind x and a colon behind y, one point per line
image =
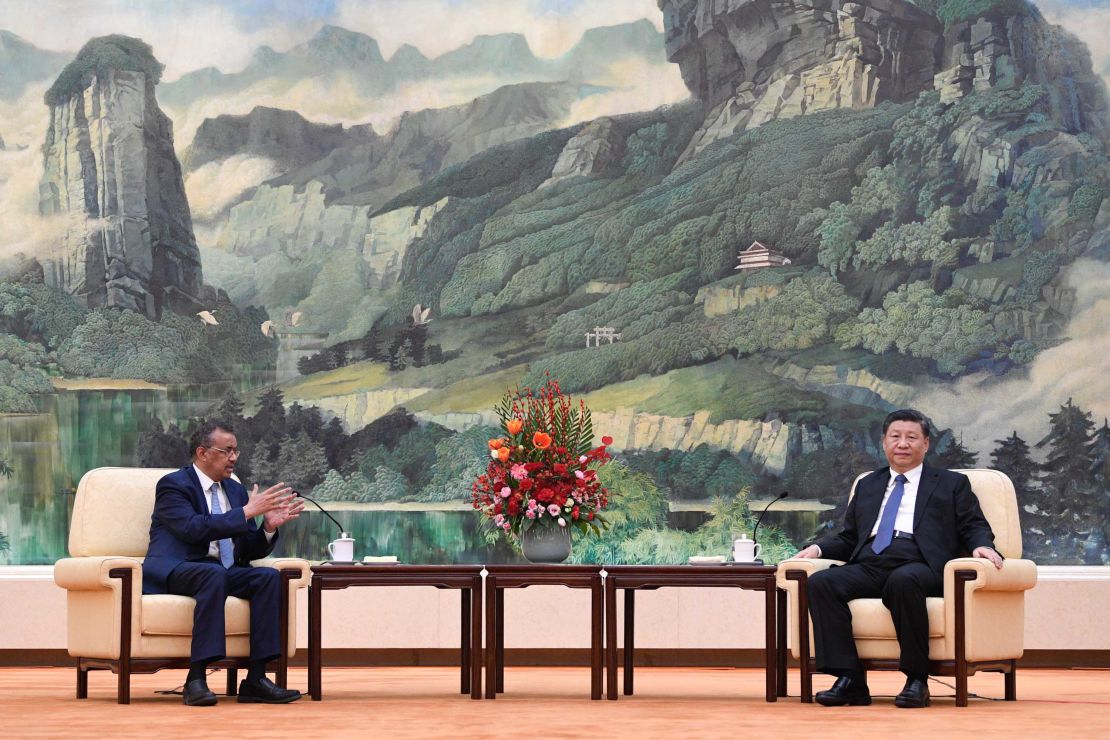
x: 110, y: 171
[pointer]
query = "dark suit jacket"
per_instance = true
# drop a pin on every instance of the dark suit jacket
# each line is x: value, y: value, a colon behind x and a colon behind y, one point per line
x: 181, y: 528
x: 947, y: 520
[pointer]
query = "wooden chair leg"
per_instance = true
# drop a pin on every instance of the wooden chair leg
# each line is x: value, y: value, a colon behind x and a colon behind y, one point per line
x: 805, y: 672
x: 1011, y: 682
x: 960, y: 598
x: 82, y: 681
x: 123, y: 682
x: 232, y: 683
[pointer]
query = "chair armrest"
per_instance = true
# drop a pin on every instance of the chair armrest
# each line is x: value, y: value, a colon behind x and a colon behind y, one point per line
x: 807, y: 565
x: 303, y: 566
x: 91, y: 573
x: 1014, y: 575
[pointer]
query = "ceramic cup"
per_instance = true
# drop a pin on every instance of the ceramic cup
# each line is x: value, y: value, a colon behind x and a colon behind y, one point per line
x: 745, y: 550
x: 343, y: 548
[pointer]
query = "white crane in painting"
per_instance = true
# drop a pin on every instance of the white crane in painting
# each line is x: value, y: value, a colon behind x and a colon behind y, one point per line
x: 420, y: 314
x: 295, y: 317
x: 268, y: 328
x: 208, y: 318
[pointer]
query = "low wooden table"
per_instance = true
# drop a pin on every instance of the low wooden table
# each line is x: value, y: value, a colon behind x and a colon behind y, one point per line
x: 466, y: 578
x: 501, y: 577
x: 650, y: 577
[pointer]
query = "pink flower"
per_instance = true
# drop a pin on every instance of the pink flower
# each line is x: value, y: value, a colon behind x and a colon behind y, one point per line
x: 582, y: 458
x: 519, y: 472
x: 531, y: 513
x: 579, y: 475
x: 506, y: 492
x: 562, y: 522
x: 532, y: 503
x: 506, y: 526
x: 499, y: 520
x: 553, y: 510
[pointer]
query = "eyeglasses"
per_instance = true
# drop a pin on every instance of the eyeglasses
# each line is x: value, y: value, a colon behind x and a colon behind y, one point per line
x: 231, y: 452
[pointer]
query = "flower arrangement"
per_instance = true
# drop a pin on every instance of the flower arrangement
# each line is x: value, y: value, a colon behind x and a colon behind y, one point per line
x: 543, y: 470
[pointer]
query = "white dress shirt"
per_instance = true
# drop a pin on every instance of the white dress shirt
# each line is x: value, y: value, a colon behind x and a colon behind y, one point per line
x: 206, y: 484
x: 903, y: 520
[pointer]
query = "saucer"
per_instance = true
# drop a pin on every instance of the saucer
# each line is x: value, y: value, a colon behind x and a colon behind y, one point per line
x: 706, y: 560
x: 340, y: 562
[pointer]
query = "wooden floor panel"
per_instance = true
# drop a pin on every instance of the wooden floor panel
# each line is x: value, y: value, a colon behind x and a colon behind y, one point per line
x: 549, y: 702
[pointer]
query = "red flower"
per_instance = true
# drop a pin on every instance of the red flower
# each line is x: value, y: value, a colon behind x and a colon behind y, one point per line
x: 607, y: 440
x: 541, y: 440
x: 526, y: 484
x: 559, y: 468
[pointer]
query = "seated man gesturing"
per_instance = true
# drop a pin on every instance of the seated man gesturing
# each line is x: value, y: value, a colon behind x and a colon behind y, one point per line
x: 202, y: 539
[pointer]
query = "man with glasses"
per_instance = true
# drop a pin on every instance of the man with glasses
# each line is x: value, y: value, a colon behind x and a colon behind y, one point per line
x: 203, y: 536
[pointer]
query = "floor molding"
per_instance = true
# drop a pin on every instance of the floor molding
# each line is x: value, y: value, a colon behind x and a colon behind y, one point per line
x: 655, y: 657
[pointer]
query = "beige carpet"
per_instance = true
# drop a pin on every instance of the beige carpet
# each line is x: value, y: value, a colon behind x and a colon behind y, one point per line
x: 549, y: 702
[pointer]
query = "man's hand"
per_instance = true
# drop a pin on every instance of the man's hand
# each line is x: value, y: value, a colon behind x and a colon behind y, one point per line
x: 813, y: 551
x: 275, y: 497
x: 989, y: 554
x: 274, y: 518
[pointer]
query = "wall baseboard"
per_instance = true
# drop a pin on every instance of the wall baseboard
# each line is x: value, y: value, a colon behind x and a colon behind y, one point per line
x: 709, y: 658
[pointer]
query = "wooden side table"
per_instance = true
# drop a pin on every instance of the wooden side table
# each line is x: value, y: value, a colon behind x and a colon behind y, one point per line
x: 466, y: 578
x: 650, y: 577
x: 501, y: 577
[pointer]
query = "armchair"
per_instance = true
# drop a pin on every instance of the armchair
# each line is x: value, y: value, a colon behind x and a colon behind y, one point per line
x: 978, y: 624
x: 111, y: 624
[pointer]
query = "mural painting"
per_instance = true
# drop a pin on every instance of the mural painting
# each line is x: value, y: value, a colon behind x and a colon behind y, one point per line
x: 741, y: 231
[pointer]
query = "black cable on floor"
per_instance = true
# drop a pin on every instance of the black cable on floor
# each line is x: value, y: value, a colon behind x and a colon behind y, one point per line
x: 180, y: 690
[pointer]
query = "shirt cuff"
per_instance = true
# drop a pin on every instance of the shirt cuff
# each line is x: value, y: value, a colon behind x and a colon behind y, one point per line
x: 269, y: 535
x: 818, y: 549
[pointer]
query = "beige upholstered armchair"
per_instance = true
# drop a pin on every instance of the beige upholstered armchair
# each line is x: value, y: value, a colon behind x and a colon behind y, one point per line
x: 978, y: 625
x: 112, y: 625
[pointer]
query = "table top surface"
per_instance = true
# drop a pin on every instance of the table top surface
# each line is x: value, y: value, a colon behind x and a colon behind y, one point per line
x: 395, y: 568
x: 722, y: 569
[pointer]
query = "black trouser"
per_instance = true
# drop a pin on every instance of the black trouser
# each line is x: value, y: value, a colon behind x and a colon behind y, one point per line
x: 900, y: 576
x: 209, y: 583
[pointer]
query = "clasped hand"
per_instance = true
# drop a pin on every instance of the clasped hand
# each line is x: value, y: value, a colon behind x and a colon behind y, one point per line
x: 277, y: 505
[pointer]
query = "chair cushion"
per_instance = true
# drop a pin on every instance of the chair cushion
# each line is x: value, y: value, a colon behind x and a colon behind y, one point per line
x: 167, y: 614
x: 872, y: 621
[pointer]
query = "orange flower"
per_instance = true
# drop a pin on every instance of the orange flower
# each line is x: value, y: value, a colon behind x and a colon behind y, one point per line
x: 541, y: 440
x: 514, y: 426
x: 503, y: 454
x: 495, y: 444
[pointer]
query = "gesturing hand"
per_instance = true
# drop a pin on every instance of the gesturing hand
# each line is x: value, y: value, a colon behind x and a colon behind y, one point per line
x: 275, y: 497
x: 274, y: 518
x: 989, y: 554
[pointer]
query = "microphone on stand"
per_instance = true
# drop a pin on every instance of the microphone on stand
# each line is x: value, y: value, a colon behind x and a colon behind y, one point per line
x: 343, y: 534
x: 759, y: 521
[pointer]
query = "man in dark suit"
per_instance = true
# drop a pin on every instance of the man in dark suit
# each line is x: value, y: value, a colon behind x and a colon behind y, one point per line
x: 904, y: 523
x: 202, y: 538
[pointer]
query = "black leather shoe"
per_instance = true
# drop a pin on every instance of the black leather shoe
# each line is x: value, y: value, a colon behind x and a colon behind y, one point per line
x: 915, y: 695
x: 846, y: 692
x: 197, y: 694
x: 265, y: 691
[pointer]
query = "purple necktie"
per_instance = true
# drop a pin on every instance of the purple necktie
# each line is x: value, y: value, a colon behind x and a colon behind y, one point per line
x: 885, y: 534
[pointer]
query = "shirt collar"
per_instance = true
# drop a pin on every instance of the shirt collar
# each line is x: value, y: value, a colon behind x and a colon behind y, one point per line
x: 205, y: 481
x: 913, y: 475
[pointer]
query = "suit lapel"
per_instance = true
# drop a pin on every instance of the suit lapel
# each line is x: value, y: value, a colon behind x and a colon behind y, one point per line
x: 198, y: 493
x: 871, y: 501
x: 925, y: 488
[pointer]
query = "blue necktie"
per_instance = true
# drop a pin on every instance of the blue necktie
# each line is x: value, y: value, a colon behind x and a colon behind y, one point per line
x: 885, y: 534
x: 227, y: 550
